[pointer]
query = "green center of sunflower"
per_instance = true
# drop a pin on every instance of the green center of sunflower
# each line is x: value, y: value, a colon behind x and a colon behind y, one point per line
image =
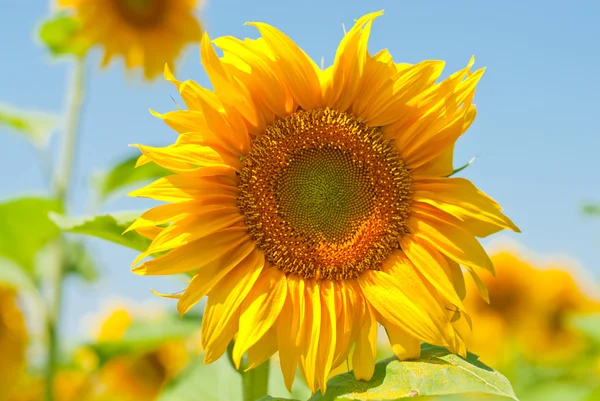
x: 324, y: 195
x: 142, y: 13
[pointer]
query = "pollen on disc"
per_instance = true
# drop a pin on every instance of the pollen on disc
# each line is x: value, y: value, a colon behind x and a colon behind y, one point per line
x: 324, y: 195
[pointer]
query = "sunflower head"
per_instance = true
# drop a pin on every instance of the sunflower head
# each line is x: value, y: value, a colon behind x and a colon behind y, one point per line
x: 141, y: 375
x: 529, y: 311
x: 147, y: 33
x: 313, y: 204
x: 13, y: 339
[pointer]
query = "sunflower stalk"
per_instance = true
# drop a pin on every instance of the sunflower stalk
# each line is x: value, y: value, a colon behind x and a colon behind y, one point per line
x: 255, y: 382
x: 61, y: 186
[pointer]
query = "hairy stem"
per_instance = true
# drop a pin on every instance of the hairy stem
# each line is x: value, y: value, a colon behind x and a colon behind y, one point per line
x: 61, y: 186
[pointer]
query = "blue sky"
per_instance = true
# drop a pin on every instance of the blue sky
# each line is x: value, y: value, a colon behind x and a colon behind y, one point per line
x: 536, y: 134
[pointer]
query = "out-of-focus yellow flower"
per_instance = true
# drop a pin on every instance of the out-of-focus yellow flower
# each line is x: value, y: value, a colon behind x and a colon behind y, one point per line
x: 147, y: 33
x: 313, y: 204
x: 13, y: 340
x: 137, y: 377
x: 528, y: 313
x: 69, y: 385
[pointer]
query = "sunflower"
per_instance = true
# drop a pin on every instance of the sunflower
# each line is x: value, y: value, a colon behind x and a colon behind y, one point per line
x: 528, y: 313
x: 138, y: 376
x: 312, y: 204
x: 146, y: 33
x: 13, y: 339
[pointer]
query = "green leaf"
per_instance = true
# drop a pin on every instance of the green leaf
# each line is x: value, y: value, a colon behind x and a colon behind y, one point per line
x: 109, y: 227
x: 591, y: 208
x: 217, y: 381
x: 269, y: 398
x: 79, y: 262
x: 461, y: 168
x: 588, y: 325
x: 125, y: 174
x: 560, y: 391
x: 25, y: 228
x: 14, y: 276
x: 146, y: 335
x: 438, y: 372
x: 60, y: 35
x: 34, y: 125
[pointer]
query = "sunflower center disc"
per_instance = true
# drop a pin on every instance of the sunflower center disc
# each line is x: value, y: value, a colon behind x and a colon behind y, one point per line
x: 143, y: 13
x: 324, y: 195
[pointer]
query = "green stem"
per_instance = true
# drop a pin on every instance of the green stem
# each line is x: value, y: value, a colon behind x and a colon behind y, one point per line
x: 61, y: 186
x: 255, y: 382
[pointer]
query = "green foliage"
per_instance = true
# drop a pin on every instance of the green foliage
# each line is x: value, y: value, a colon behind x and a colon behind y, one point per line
x: 124, y: 174
x: 25, y: 228
x: 60, y: 35
x: 79, y: 262
x: 14, y: 276
x: 217, y: 382
x: 269, y: 398
x: 591, y: 208
x: 146, y: 335
x: 109, y: 227
x: 438, y: 372
x: 560, y: 391
x: 33, y: 125
x: 588, y: 325
x: 461, y: 168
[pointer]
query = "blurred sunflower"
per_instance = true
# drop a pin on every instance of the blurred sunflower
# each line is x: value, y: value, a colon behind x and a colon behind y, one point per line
x: 312, y: 204
x: 528, y: 313
x: 140, y: 376
x: 13, y: 340
x: 147, y: 33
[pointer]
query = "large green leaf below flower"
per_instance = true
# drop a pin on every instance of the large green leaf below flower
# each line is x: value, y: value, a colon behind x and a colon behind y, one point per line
x: 124, y: 174
x: 25, y: 228
x: 36, y: 126
x: 109, y: 227
x: 437, y: 373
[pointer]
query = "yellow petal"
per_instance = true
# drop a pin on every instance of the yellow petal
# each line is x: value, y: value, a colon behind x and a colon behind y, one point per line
x: 211, y: 273
x: 432, y: 266
x: 176, y: 211
x: 299, y: 71
x: 189, y: 257
x: 365, y: 352
x: 347, y: 329
x: 390, y: 102
x: 481, y: 288
x: 437, y: 140
x: 182, y: 158
x: 456, y: 276
x: 181, y: 188
x: 423, y: 295
x: 349, y: 65
x: 289, y: 329
x: 327, y: 335
x: 403, y: 344
x: 210, y: 220
x: 223, y: 303
x: 260, y: 310
x: 310, y: 338
x: 386, y: 295
x: 271, y: 92
x: 459, y: 197
x: 444, y: 232
x: 263, y: 349
x: 378, y: 73
x: 229, y: 92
